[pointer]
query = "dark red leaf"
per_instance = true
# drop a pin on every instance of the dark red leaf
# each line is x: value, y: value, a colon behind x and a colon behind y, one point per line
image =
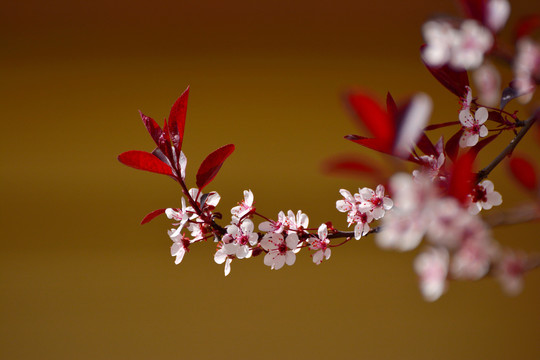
x: 374, y: 144
x: 150, y: 216
x: 524, y: 172
x: 453, y: 80
x: 144, y: 161
x: 526, y: 25
x: 496, y: 116
x: 152, y: 126
x: 452, y: 145
x: 177, y: 121
x: 441, y: 125
x: 391, y: 107
x: 427, y: 146
x: 475, y: 9
x: 211, y: 165
x: 372, y: 115
x: 462, y: 178
x: 481, y: 144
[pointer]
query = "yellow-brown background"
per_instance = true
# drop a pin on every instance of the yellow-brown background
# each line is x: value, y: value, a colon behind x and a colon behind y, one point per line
x: 81, y: 280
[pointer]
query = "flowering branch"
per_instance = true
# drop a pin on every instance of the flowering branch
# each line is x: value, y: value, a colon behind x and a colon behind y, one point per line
x: 438, y: 205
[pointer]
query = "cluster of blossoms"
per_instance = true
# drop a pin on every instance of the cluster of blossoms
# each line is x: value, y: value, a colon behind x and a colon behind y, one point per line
x: 440, y: 202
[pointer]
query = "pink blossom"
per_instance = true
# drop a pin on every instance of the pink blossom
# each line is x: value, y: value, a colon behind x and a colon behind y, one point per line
x: 509, y: 271
x: 297, y: 223
x: 484, y: 196
x: 321, y: 245
x: 377, y: 203
x: 275, y: 226
x: 245, y: 207
x: 447, y: 220
x: 526, y: 68
x: 466, y: 100
x: 179, y: 246
x: 473, y: 127
x: 440, y: 38
x: 281, y: 250
x: 497, y: 13
x: 432, y: 269
x: 473, y: 258
x: 241, y: 237
x: 473, y: 42
x: 488, y: 83
x: 222, y: 256
x: 180, y: 215
x: 462, y: 48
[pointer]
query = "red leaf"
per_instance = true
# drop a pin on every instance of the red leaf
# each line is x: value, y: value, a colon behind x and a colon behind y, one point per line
x: 372, y: 115
x: 152, y: 126
x: 526, y: 25
x: 351, y: 165
x: 524, y: 172
x: 391, y: 107
x: 462, y: 178
x: 150, y: 216
x: 426, y: 146
x: 452, y: 145
x: 441, y: 125
x: 453, y: 80
x: 374, y: 144
x: 211, y: 165
x: 475, y: 9
x: 144, y: 161
x: 177, y: 120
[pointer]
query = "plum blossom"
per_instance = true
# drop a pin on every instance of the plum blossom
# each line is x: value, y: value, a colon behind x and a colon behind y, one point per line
x: 245, y: 207
x: 432, y: 269
x: 376, y: 202
x: 404, y: 226
x: 462, y: 48
x: 466, y: 100
x: 440, y: 37
x: 275, y: 226
x: 221, y: 256
x: 281, y: 250
x: 488, y: 83
x: 209, y: 201
x: 510, y: 269
x: 473, y: 41
x: 297, y: 223
x: 447, y: 220
x: 484, y: 197
x: 473, y: 127
x: 180, y: 215
x: 473, y: 258
x: 241, y: 237
x: 180, y: 245
x: 321, y: 245
x: 497, y: 13
x: 526, y: 68
x: 431, y: 166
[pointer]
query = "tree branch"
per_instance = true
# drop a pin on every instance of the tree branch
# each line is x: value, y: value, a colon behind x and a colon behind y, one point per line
x: 482, y: 174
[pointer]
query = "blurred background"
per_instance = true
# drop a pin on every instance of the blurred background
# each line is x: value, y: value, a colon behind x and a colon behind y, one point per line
x: 80, y: 279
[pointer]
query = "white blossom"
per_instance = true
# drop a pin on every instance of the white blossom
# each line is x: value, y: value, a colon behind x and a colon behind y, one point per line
x: 321, y: 245
x: 281, y: 250
x: 484, y: 197
x: 473, y: 126
x: 432, y: 269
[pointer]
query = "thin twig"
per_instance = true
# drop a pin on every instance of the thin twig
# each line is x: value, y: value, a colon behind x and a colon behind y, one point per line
x: 482, y: 174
